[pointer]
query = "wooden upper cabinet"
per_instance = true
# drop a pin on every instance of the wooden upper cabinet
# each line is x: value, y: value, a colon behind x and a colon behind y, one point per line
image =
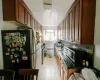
x: 13, y: 10
x: 82, y: 21
x: 29, y: 19
x: 17, y: 11
x: 77, y: 26
x: 20, y: 10
x: 68, y: 27
x: 87, y: 8
x: 32, y: 22
x: 73, y: 25
x: 26, y: 17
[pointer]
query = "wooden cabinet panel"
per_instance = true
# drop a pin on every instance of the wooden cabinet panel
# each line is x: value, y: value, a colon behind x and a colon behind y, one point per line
x: 29, y: 19
x: 73, y: 25
x: 77, y: 27
x: 31, y: 22
x: 21, y: 13
x: 68, y: 27
x: 16, y: 11
x: 26, y: 17
x: 81, y: 22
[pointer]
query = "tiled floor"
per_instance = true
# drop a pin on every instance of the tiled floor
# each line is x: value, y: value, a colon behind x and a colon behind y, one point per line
x: 49, y: 70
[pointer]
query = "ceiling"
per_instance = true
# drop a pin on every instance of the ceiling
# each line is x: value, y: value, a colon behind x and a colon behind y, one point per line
x: 49, y: 19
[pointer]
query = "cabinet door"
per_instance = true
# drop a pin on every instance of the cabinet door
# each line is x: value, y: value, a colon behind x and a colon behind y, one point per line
x: 73, y: 25
x: 64, y: 73
x: 29, y: 19
x: 63, y: 30
x: 31, y: 22
x: 68, y: 27
x: 77, y: 27
x: 26, y: 17
x: 21, y: 13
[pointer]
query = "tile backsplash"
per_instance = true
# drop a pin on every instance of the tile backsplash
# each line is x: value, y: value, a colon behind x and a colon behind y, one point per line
x: 87, y: 48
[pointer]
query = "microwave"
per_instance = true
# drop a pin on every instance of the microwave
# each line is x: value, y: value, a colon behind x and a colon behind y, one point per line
x: 76, y: 56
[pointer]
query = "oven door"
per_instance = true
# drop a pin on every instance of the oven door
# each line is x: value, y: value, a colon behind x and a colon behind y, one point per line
x: 71, y: 55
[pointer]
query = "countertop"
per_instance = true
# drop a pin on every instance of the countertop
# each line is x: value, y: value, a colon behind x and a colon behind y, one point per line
x: 66, y: 60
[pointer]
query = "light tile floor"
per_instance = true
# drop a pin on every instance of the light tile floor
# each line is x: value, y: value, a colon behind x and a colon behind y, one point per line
x: 49, y: 70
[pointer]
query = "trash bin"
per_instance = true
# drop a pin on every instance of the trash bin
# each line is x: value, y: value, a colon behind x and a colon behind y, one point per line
x: 50, y: 55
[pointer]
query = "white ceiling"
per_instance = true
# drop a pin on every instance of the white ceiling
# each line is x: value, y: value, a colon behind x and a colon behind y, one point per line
x: 49, y: 19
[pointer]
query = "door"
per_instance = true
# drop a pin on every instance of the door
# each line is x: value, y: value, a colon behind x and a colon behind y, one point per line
x: 29, y: 19
x: 20, y: 12
x: 68, y: 27
x: 16, y: 49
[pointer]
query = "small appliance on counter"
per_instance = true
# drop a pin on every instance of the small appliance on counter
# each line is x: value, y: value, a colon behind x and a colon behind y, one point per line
x: 79, y: 58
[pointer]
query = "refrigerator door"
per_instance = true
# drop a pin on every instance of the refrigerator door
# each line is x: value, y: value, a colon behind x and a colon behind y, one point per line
x: 32, y: 48
x: 16, y: 49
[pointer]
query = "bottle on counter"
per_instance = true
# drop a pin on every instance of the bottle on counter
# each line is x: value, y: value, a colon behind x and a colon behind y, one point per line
x: 87, y: 63
x: 84, y: 63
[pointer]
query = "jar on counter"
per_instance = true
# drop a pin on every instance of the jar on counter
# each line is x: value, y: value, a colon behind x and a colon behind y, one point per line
x: 84, y: 63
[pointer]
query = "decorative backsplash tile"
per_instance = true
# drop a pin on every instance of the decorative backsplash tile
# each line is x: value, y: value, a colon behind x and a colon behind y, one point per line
x: 87, y: 48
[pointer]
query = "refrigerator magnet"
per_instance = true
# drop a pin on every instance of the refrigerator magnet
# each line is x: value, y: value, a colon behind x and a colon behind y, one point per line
x: 21, y: 45
x: 23, y: 42
x: 13, y: 37
x: 12, y: 52
x: 13, y: 44
x: 17, y: 60
x: 6, y: 37
x: 12, y: 49
x: 17, y: 34
x: 13, y: 61
x: 8, y: 53
x: 21, y: 49
x: 24, y: 53
x: 24, y: 38
x: 7, y: 34
x: 18, y: 43
x: 13, y: 34
x: 7, y: 42
x: 24, y: 57
x: 8, y: 49
x: 10, y: 46
x: 11, y: 56
x: 17, y: 49
x: 15, y: 55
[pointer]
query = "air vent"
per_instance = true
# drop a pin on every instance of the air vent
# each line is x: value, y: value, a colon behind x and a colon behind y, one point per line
x: 47, y: 4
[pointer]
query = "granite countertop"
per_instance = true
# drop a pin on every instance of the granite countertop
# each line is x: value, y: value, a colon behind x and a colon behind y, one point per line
x: 67, y: 62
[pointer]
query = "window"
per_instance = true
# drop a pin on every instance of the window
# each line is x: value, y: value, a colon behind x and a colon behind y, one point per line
x: 50, y: 35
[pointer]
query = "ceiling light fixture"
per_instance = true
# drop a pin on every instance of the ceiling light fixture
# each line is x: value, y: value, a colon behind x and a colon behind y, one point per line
x: 47, y: 5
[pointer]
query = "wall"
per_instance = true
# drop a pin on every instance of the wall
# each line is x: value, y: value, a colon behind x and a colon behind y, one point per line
x: 3, y: 26
x: 97, y: 36
x: 50, y: 45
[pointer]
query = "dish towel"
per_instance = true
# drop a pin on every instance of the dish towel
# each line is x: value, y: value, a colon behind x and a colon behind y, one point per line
x: 88, y: 74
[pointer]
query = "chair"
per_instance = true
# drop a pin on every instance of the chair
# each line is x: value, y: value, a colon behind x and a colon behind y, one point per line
x: 7, y: 75
x: 28, y: 74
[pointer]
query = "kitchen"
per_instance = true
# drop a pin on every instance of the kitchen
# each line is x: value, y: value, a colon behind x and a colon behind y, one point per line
x: 83, y: 40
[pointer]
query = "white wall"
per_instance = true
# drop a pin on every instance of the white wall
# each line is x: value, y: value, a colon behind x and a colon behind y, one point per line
x: 97, y: 36
x: 50, y: 44
x: 3, y: 26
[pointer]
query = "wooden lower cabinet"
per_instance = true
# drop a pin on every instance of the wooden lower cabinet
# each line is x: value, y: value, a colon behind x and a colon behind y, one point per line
x: 67, y: 72
x: 64, y: 71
